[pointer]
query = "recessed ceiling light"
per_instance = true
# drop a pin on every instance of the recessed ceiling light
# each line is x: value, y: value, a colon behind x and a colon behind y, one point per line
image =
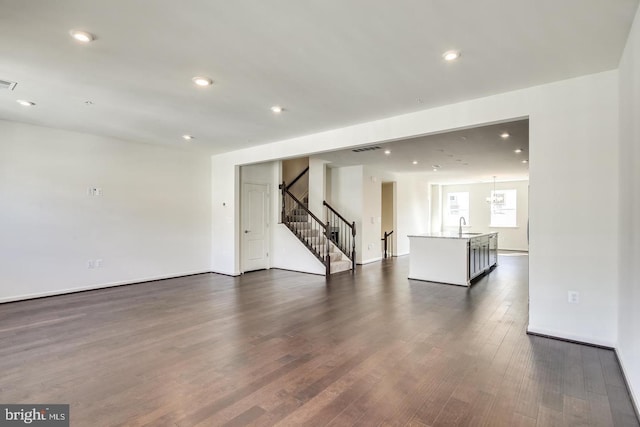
x: 415, y: 162
x: 504, y: 135
x: 202, y: 81
x: 518, y: 150
x: 525, y: 161
x: 277, y: 109
x: 451, y: 55
x: 435, y: 169
x: 387, y: 151
x: 82, y: 36
x: 25, y: 103
x: 188, y: 137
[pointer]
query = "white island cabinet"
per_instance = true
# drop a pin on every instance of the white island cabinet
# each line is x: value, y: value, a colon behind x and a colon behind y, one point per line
x: 452, y: 258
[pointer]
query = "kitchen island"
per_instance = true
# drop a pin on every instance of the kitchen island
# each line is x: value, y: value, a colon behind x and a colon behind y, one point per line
x: 452, y: 258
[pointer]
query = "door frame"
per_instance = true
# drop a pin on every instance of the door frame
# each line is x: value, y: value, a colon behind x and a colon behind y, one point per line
x: 393, y: 248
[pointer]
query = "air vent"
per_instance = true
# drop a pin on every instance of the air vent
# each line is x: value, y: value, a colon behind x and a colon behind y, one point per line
x: 359, y: 150
x: 7, y: 85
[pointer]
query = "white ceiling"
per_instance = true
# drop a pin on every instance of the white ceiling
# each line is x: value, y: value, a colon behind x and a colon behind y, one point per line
x: 463, y: 156
x: 330, y: 63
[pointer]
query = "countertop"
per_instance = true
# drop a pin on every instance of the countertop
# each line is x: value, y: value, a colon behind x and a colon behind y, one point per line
x: 451, y: 235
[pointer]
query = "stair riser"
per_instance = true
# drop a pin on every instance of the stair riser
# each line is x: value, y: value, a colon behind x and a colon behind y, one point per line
x: 340, y: 266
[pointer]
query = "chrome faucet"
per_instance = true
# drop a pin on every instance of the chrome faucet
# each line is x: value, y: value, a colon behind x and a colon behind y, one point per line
x: 460, y: 222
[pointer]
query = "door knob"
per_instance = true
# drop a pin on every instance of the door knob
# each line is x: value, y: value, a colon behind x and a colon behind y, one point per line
x: 246, y: 231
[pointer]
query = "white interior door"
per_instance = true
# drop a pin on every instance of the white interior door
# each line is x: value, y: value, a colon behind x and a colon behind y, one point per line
x: 255, y: 227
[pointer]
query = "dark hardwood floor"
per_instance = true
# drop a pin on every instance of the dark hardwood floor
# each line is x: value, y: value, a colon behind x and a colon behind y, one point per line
x: 277, y: 347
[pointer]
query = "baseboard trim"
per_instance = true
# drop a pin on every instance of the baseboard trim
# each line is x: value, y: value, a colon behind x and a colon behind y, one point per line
x: 95, y: 287
x: 634, y: 399
x: 369, y: 261
x: 572, y: 339
x: 226, y: 274
x: 298, y: 271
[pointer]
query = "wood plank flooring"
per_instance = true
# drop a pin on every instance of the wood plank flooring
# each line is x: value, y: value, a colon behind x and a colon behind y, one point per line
x: 289, y: 349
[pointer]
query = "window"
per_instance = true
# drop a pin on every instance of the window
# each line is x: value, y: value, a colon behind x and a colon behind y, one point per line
x: 503, y: 208
x: 457, y: 206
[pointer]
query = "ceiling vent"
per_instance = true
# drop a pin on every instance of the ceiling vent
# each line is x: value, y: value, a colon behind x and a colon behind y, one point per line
x: 7, y: 85
x: 359, y: 150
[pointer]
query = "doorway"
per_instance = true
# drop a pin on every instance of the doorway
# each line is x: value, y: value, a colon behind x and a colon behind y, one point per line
x: 255, y: 227
x: 388, y: 220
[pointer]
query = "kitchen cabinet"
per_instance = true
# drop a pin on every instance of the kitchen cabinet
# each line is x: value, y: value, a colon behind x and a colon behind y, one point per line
x: 483, y: 253
x: 453, y: 258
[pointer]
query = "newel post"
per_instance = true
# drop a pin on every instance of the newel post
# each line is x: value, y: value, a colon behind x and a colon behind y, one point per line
x: 327, y: 243
x: 353, y: 247
x: 283, y: 187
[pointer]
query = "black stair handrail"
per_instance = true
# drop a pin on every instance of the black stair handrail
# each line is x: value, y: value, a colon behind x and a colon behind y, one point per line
x: 290, y: 208
x: 297, y: 178
x: 385, y: 239
x: 341, y: 233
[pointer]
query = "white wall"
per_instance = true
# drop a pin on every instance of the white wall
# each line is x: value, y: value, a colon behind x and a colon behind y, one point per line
x: 260, y: 173
x: 435, y: 197
x: 347, y: 198
x: 480, y: 212
x: 317, y: 182
x: 356, y: 192
x: 413, y: 216
x: 629, y: 178
x: 573, y: 212
x: 574, y: 119
x: 289, y: 253
x: 371, y: 215
x: 225, y: 216
x: 152, y: 221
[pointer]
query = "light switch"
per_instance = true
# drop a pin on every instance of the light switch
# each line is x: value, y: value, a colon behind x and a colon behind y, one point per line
x: 574, y: 297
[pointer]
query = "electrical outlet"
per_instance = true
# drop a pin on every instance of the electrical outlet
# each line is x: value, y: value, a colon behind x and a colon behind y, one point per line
x: 98, y: 263
x: 574, y: 297
x: 370, y: 246
x: 91, y: 264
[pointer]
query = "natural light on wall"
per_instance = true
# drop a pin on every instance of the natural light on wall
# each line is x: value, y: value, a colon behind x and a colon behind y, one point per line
x: 503, y: 208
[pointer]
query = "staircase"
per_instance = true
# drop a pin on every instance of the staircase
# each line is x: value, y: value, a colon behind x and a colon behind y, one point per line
x: 298, y: 220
